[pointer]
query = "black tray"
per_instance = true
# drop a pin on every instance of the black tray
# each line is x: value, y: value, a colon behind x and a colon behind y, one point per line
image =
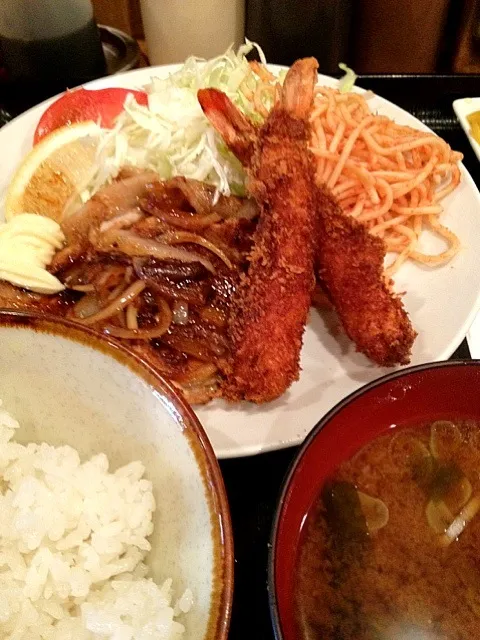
x: 253, y: 483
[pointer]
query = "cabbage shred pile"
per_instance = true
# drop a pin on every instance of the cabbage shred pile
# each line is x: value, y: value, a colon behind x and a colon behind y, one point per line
x: 172, y: 136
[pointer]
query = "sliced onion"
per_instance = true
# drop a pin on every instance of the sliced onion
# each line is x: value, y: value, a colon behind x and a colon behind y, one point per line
x: 189, y: 346
x: 195, y: 341
x: 149, y: 227
x: 200, y: 393
x: 182, y: 219
x: 117, y: 291
x: 118, y: 304
x: 180, y: 312
x: 145, y: 334
x: 192, y: 222
x: 131, y: 317
x: 170, y: 270
x: 66, y: 257
x: 445, y: 438
x: 110, y: 276
x: 375, y: 511
x: 121, y: 318
x: 177, y: 237
x: 87, y: 306
x: 126, y: 219
x: 83, y: 288
x: 134, y: 245
x: 199, y: 374
x: 198, y: 194
x: 457, y: 527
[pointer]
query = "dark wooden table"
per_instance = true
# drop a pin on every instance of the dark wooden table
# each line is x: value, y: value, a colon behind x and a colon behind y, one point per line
x: 253, y: 483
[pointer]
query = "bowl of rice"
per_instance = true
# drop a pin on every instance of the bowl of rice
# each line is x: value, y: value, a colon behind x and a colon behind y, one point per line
x: 114, y: 521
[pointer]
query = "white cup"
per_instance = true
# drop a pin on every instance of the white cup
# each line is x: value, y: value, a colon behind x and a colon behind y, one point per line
x: 176, y: 29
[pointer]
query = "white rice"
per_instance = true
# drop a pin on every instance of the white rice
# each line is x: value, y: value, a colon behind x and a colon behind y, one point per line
x: 73, y: 539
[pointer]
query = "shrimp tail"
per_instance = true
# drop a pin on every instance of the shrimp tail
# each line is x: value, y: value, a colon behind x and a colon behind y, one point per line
x: 236, y: 130
x: 298, y: 88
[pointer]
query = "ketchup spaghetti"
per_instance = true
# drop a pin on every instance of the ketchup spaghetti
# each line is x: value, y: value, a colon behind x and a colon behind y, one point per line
x: 389, y: 176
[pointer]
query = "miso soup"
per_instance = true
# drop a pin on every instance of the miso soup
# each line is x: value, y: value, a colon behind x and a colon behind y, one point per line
x: 391, y: 547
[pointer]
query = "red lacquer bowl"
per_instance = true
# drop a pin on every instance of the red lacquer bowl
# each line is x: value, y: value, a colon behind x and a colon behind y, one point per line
x: 405, y: 398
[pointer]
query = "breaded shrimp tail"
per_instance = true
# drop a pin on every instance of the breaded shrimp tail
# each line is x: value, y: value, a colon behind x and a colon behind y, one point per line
x: 273, y: 300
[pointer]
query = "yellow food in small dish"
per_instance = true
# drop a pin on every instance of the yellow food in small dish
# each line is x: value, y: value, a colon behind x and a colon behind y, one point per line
x: 474, y: 122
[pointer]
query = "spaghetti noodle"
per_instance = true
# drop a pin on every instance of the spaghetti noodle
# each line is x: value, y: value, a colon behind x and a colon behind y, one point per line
x: 389, y: 176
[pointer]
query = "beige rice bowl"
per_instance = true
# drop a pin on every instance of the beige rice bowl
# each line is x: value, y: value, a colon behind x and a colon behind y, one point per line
x: 106, y: 532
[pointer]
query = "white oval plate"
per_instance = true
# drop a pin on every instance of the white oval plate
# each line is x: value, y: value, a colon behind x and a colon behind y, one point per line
x: 442, y: 303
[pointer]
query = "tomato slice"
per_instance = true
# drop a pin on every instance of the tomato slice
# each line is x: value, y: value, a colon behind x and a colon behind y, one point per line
x: 79, y: 105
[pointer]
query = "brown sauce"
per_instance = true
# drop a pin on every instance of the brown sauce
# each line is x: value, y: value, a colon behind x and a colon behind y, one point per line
x: 404, y: 581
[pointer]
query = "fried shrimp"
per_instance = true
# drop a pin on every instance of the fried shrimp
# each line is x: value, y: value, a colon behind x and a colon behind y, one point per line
x: 350, y: 267
x: 271, y: 308
x: 266, y: 325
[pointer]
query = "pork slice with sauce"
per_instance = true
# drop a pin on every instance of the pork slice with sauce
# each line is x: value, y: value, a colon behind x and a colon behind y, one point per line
x: 111, y: 201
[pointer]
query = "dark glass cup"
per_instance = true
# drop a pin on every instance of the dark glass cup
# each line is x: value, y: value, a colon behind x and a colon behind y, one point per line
x: 46, y: 47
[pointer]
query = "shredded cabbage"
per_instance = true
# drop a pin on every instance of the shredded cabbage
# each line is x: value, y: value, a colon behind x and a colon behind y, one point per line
x: 347, y: 82
x: 172, y: 136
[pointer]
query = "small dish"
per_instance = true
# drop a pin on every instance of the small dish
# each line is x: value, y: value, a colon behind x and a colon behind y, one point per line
x: 463, y: 107
x: 403, y: 399
x: 67, y: 385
